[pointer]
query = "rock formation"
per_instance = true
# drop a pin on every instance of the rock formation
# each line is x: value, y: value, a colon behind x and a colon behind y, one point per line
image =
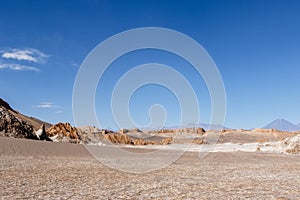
x: 263, y: 130
x: 123, y: 131
x: 13, y: 127
x: 196, y: 130
x: 129, y: 139
x: 118, y: 138
x: 15, y: 124
x: 91, y: 134
x: 135, y: 130
x: 64, y: 132
x: 289, y: 145
x: 200, y: 131
x: 198, y: 141
x: 123, y: 136
x: 42, y: 134
x: 5, y: 105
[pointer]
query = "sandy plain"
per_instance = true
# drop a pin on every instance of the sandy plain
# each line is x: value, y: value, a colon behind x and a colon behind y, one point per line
x: 44, y: 170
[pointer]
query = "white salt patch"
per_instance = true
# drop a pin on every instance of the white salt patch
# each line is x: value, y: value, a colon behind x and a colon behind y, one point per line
x: 226, y: 147
x: 271, y: 147
x: 284, y: 146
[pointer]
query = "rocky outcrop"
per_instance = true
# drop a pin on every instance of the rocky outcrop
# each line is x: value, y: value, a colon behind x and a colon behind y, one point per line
x: 12, y: 124
x: 5, y: 105
x: 136, y: 130
x: 198, y: 141
x: 92, y: 135
x: 41, y: 134
x: 118, y: 138
x: 195, y: 130
x: 64, y: 132
x: 122, y: 131
x: 15, y: 124
x: 261, y: 130
x: 166, y: 131
x: 13, y: 127
x: 153, y: 140
x: 289, y: 145
x: 200, y: 131
x: 129, y: 139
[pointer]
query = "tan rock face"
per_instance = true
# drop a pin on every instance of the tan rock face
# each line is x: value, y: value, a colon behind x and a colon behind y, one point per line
x: 198, y: 141
x: 64, y: 132
x: 127, y: 139
x: 200, y: 131
x: 167, y: 131
x: 136, y: 130
x: 123, y: 136
x: 196, y: 130
x: 123, y: 130
x: 153, y: 140
x: 261, y: 130
x: 118, y: 138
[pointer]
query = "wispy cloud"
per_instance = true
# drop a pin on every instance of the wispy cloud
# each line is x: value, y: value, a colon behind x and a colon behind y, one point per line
x: 17, y: 67
x: 29, y: 54
x: 46, y: 105
x: 74, y: 64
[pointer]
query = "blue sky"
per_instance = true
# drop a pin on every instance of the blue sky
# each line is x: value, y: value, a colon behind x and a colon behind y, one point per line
x: 255, y: 45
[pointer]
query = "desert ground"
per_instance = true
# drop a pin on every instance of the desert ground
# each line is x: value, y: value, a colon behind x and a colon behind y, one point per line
x: 43, y: 170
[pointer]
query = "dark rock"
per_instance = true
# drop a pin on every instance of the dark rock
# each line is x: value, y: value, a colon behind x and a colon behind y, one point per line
x: 5, y: 105
x: 42, y: 134
x: 12, y: 127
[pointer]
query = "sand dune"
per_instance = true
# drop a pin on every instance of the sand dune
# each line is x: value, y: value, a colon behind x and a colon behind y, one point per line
x: 43, y: 149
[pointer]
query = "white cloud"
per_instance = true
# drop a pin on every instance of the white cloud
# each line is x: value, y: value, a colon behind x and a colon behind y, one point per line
x: 46, y: 105
x: 30, y: 55
x: 17, y: 67
x: 75, y: 64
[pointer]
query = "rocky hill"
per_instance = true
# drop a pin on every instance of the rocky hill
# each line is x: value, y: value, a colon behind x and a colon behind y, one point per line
x: 14, y: 124
x: 5, y: 105
x: 11, y: 126
x: 36, y: 123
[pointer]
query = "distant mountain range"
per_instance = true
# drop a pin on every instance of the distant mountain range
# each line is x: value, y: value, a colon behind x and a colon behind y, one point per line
x: 202, y: 125
x: 209, y: 126
x: 283, y: 125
